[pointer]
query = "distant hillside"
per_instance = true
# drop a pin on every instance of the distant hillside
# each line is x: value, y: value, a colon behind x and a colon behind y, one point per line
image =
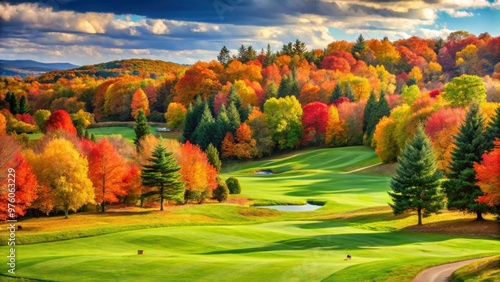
x: 144, y: 68
x: 25, y: 68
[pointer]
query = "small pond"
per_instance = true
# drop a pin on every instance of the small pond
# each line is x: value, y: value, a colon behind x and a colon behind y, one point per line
x: 292, y: 208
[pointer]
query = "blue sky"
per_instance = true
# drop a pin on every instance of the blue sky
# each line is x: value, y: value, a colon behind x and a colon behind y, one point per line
x: 92, y: 31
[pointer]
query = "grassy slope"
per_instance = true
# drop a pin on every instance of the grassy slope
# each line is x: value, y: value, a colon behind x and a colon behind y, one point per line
x: 248, y: 244
x: 484, y: 270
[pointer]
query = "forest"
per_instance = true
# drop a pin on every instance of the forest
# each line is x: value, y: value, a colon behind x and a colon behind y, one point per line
x: 250, y: 105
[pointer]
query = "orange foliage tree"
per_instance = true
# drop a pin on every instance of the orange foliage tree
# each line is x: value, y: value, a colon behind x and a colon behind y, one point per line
x: 139, y: 102
x: 199, y: 80
x: 196, y: 172
x: 245, y: 145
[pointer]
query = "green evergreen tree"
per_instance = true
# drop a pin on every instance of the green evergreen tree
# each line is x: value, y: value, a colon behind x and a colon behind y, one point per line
x: 92, y: 138
x: 13, y: 103
x: 234, y: 117
x: 234, y: 97
x: 213, y: 157
x: 87, y: 136
x: 141, y: 127
x: 383, y: 109
x: 271, y: 91
x: 359, y: 47
x: 162, y: 175
x: 336, y: 93
x: 222, y: 126
x: 294, y: 84
x: 269, y: 57
x: 284, y: 88
x: 204, y: 132
x: 349, y: 93
x: 416, y: 185
x: 369, y: 114
x: 224, y: 56
x: 470, y: 144
x: 193, y: 117
x: 493, y: 129
x: 24, y: 108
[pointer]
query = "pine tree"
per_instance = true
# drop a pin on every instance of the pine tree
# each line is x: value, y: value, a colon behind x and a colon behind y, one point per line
x: 359, y: 47
x: 336, y: 93
x: 224, y: 56
x: 86, y: 136
x: 294, y: 84
x: 162, y: 174
x: 222, y: 126
x: 13, y: 104
x: 141, y: 127
x: 284, y: 88
x: 213, y: 157
x: 369, y: 114
x: 383, y: 109
x: 416, y: 185
x: 234, y: 118
x: 493, y: 130
x: 92, y: 138
x: 204, y: 132
x: 193, y: 117
x: 349, y: 93
x: 235, y: 98
x: 269, y: 57
x: 24, y: 108
x: 470, y: 144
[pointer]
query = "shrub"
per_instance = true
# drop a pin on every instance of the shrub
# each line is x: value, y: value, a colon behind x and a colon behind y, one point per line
x: 221, y: 192
x: 233, y: 185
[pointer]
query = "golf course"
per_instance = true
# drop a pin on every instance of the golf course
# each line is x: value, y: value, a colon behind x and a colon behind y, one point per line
x: 240, y: 241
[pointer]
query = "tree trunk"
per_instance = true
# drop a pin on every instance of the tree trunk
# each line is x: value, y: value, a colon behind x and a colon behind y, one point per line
x: 479, y: 216
x: 66, y: 213
x: 161, y: 198
x: 419, y: 210
x: 103, y: 191
x: 103, y: 207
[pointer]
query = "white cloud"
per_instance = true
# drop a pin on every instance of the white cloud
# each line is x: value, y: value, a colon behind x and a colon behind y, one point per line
x: 458, y: 14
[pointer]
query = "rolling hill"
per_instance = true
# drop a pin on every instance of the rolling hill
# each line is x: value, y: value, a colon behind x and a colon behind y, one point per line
x: 25, y: 68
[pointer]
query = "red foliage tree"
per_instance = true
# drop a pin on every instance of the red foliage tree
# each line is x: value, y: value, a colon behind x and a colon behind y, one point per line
x: 106, y: 171
x: 26, y: 118
x: 336, y: 64
x: 488, y: 174
x: 23, y: 184
x: 314, y: 120
x: 60, y: 120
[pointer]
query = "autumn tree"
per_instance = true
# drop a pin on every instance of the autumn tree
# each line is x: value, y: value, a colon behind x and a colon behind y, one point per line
x: 314, y: 121
x: 3, y: 125
x: 261, y: 133
x: 493, y: 129
x: 139, y: 102
x: 488, y: 174
x: 199, y: 80
x: 463, y: 90
x: 175, y: 115
x: 24, y: 187
x: 61, y: 167
x: 60, y: 120
x: 106, y: 171
x: 162, y: 174
x: 416, y: 184
x: 461, y: 187
x: 335, y: 134
x: 244, y: 148
x: 197, y: 174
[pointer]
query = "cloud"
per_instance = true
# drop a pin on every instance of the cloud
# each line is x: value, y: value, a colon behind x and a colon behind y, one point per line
x: 458, y: 14
x: 102, y: 30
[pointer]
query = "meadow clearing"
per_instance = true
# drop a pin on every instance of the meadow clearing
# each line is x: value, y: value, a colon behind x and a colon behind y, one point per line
x: 235, y: 241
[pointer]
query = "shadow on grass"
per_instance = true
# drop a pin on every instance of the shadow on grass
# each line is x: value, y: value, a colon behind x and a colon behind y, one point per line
x: 348, y: 241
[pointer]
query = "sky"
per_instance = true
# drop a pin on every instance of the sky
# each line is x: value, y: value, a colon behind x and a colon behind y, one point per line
x: 86, y: 32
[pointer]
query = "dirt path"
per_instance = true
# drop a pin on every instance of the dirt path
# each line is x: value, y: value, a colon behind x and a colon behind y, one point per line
x: 361, y: 168
x: 441, y: 273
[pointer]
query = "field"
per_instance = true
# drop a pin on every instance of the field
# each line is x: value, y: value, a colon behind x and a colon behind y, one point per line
x: 237, y: 242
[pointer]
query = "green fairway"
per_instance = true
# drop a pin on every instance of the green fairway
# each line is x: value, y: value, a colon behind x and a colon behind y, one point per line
x: 280, y: 251
x: 128, y: 132
x: 317, y: 175
x: 229, y: 242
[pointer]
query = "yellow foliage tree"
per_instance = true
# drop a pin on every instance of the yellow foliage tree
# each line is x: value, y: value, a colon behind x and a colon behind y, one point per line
x: 336, y: 134
x: 61, y: 167
x: 3, y: 125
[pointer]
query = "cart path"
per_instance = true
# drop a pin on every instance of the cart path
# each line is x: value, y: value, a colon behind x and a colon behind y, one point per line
x: 441, y: 273
x: 360, y: 169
